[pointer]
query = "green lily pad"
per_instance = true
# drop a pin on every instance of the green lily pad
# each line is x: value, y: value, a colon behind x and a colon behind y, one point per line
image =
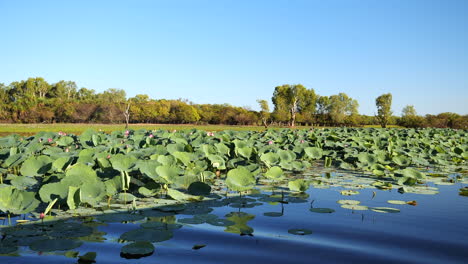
x: 355, y: 207
x: 298, y: 185
x: 349, y: 192
x: 300, y: 231
x: 147, y: 234
x: 385, y: 210
x: 48, y: 245
x: 240, y: 179
x: 137, y: 250
x: 396, y: 202
x: 118, y: 218
x: 322, y: 210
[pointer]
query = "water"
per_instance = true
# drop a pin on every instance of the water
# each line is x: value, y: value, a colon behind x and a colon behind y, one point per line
x: 434, y: 231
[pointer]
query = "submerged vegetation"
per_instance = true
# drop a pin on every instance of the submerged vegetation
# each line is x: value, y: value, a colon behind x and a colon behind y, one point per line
x: 122, y: 176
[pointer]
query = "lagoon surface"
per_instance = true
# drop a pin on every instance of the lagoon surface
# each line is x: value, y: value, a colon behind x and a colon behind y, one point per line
x: 259, y: 227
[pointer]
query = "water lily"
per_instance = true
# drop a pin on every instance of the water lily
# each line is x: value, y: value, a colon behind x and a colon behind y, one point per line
x: 67, y: 150
x: 173, y: 131
x: 49, y: 140
x: 270, y: 142
x: 41, y: 216
x: 302, y: 141
x: 127, y: 133
x: 210, y: 134
x: 151, y: 136
x: 108, y: 156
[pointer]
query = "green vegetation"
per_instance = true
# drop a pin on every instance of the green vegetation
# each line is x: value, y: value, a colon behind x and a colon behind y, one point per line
x: 150, y: 175
x: 36, y: 101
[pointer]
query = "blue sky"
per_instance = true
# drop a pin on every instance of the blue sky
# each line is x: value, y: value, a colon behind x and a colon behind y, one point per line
x: 236, y: 51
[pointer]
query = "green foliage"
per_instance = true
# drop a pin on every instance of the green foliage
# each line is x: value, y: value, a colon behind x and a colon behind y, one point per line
x: 384, y: 105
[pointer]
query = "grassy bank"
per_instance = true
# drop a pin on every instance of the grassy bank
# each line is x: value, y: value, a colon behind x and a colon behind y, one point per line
x: 30, y: 129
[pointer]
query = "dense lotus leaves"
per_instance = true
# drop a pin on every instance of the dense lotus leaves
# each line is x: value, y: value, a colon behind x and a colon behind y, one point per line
x: 36, y: 166
x: 168, y: 173
x: 182, y: 197
x: 50, y: 191
x: 299, y: 185
x: 16, y: 201
x: 93, y: 192
x: 23, y: 182
x: 73, y: 197
x: 367, y: 159
x: 123, y: 162
x: 79, y: 174
x: 147, y: 234
x: 137, y: 250
x: 217, y: 162
x: 274, y: 173
x: 401, y: 160
x: 148, y: 168
x: 240, y: 220
x: 166, y: 159
x: 184, y: 157
x: 65, y: 141
x: 61, y: 164
x: 270, y: 158
x: 199, y: 188
x: 240, y: 179
x: 313, y: 152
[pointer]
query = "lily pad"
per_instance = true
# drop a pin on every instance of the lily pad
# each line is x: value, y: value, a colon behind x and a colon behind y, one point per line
x: 137, y: 250
x: 322, y: 210
x: 385, y: 210
x: 48, y: 245
x: 300, y: 231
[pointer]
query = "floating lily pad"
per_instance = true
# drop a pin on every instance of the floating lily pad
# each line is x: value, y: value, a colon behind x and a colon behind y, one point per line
x: 146, y: 234
x: 116, y: 218
x: 355, y: 207
x: 396, y: 202
x: 322, y: 210
x: 300, y: 232
x: 48, y: 245
x: 198, y: 246
x: 385, y: 210
x: 349, y: 192
x: 137, y: 250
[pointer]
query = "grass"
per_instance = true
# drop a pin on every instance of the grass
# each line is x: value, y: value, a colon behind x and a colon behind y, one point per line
x: 31, y: 129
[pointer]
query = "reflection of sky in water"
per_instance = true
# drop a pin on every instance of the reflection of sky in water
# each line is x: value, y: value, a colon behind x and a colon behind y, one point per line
x: 434, y: 231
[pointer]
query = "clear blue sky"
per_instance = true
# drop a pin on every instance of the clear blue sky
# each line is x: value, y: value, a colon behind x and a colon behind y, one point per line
x: 237, y: 51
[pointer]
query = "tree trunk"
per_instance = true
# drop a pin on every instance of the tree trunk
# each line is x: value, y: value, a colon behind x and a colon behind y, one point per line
x: 127, y: 115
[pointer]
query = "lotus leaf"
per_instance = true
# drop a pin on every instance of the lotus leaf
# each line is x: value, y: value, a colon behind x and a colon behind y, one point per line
x: 36, y: 166
x: 300, y: 232
x: 146, y: 234
x: 240, y: 179
x: 298, y: 185
x: 275, y: 173
x: 313, y: 152
x: 137, y: 250
x: 123, y: 162
x: 199, y: 188
x: 48, y: 245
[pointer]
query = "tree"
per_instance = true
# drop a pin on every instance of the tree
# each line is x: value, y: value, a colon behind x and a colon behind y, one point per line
x: 264, y: 111
x: 290, y: 100
x: 384, y: 105
x: 408, y: 111
x: 409, y: 118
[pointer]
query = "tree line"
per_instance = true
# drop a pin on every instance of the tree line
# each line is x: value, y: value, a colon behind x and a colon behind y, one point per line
x: 36, y: 101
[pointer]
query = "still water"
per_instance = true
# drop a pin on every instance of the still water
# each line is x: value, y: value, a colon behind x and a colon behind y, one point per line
x: 254, y: 229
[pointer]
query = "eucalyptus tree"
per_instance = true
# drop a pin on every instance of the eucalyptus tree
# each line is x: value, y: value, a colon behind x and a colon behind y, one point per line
x: 291, y: 99
x: 264, y: 111
x: 384, y: 105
